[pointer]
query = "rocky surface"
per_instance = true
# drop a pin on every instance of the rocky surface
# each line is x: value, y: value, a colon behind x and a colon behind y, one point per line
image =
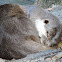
x: 45, y: 56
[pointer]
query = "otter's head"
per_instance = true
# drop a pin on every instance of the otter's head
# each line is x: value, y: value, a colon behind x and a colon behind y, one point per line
x: 49, y: 30
x: 48, y: 25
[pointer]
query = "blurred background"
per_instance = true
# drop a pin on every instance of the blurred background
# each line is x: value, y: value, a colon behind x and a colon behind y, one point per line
x: 42, y: 3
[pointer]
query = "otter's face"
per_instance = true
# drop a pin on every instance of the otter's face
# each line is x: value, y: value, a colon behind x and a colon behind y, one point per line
x: 48, y: 25
x: 49, y: 30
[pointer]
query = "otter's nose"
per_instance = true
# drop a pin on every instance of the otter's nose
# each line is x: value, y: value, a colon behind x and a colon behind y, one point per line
x: 46, y: 21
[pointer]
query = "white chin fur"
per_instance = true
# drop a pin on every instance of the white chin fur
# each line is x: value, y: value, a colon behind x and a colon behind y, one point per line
x: 40, y: 27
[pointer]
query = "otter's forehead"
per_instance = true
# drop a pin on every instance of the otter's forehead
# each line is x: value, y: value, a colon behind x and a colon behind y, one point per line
x: 36, y: 12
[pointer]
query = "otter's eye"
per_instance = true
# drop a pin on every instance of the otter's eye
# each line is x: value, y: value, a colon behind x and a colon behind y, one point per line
x: 46, y: 21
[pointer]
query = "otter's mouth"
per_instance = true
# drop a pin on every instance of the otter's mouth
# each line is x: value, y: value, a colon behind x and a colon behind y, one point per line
x: 51, y: 34
x: 51, y: 41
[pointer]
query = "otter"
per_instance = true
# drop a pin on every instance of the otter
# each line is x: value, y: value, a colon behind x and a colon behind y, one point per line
x: 19, y: 35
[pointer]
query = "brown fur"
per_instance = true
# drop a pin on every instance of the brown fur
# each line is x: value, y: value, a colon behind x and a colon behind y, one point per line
x: 18, y: 35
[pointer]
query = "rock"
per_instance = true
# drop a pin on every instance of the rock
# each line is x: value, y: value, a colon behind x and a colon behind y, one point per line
x: 45, y: 56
